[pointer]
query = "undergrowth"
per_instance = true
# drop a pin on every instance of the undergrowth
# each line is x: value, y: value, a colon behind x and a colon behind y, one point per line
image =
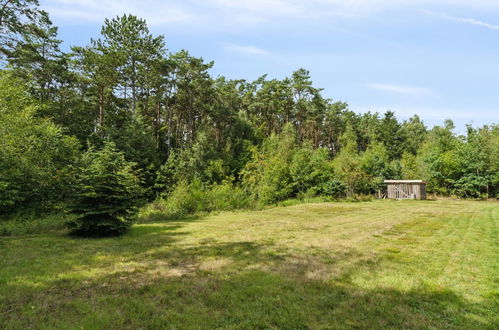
x: 28, y: 223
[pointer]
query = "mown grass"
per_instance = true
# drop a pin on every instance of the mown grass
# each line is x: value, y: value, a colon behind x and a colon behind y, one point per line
x: 381, y: 264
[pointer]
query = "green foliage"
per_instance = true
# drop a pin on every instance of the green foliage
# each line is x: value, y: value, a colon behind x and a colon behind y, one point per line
x: 414, y: 134
x: 201, y: 162
x: 312, y: 172
x: 24, y: 223
x: 283, y: 168
x: 376, y: 164
x: 167, y: 176
x: 267, y: 176
x: 107, y: 195
x: 411, y: 167
x: 391, y: 135
x: 347, y: 165
x: 276, y: 184
x: 185, y: 199
x: 191, y: 198
x: 438, y: 157
x: 227, y: 196
x: 190, y: 133
x: 36, y: 159
x: 477, y: 170
x: 472, y: 186
x: 465, y: 166
x: 19, y: 19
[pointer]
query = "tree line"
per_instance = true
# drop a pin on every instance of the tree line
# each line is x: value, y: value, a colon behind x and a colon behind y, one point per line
x: 123, y: 116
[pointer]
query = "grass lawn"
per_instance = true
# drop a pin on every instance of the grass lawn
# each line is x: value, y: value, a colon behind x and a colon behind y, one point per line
x: 381, y: 264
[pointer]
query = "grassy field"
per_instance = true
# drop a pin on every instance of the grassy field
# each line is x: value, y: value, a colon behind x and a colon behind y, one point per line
x: 381, y: 264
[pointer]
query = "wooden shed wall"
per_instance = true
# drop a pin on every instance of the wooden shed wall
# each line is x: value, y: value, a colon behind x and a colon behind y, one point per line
x: 406, y: 190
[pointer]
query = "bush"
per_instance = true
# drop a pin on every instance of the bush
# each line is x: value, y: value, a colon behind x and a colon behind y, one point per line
x: 471, y: 186
x: 226, y: 197
x: 36, y: 158
x: 22, y: 224
x: 276, y: 184
x: 267, y: 175
x: 333, y: 188
x: 187, y: 199
x: 108, y: 194
x: 312, y: 171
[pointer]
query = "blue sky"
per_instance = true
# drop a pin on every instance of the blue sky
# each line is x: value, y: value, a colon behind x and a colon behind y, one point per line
x: 438, y: 59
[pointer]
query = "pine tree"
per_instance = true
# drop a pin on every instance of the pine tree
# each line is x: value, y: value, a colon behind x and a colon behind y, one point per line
x: 108, y: 193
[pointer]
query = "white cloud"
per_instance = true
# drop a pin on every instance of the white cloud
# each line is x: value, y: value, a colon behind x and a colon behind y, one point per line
x: 251, y: 50
x: 265, y: 7
x: 432, y: 115
x: 154, y: 11
x: 321, y: 8
x: 405, y: 90
x: 463, y: 20
x: 220, y: 13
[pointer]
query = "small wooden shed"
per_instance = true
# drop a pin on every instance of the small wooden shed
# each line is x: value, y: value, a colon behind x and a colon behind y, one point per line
x: 406, y: 189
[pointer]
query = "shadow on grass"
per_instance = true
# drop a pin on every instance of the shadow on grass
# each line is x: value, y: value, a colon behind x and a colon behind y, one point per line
x: 142, y: 230
x: 246, y: 300
x: 145, y: 227
x: 223, y: 285
x: 163, y: 217
x: 146, y: 280
x: 37, y: 260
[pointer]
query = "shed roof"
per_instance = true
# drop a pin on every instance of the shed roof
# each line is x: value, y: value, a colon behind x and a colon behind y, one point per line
x: 404, y: 181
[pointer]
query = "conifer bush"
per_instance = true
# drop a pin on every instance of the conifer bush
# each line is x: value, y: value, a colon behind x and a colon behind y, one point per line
x: 107, y: 195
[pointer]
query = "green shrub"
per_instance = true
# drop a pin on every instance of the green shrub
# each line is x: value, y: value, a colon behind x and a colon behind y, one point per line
x: 312, y: 171
x: 107, y: 195
x: 187, y: 199
x: 282, y: 168
x: 23, y: 224
x: 226, y: 196
x: 266, y: 175
x: 36, y: 158
x: 276, y: 184
x: 333, y: 188
x: 472, y: 186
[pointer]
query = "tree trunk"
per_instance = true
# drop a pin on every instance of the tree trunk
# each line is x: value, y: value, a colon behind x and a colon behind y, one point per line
x: 158, y: 113
x: 101, y: 109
